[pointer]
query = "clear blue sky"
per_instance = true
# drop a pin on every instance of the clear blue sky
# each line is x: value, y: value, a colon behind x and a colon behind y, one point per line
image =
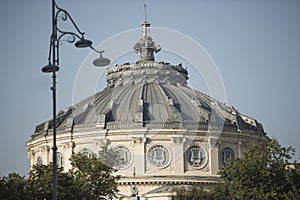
x: 255, y: 45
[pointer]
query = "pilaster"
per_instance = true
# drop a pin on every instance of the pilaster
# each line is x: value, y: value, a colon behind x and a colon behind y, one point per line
x: 139, y: 154
x: 213, y: 156
x: 178, y: 151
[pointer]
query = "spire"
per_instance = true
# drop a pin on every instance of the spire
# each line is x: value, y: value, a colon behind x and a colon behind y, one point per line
x: 146, y: 47
x: 145, y: 24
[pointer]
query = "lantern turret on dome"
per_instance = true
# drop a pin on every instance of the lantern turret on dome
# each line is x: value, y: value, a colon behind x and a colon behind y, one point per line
x: 146, y: 47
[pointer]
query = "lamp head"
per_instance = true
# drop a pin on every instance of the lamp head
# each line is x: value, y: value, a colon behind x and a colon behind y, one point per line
x: 101, y: 62
x: 83, y: 43
x: 50, y: 68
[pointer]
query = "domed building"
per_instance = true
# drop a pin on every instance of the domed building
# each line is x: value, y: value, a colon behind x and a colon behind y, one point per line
x: 166, y: 133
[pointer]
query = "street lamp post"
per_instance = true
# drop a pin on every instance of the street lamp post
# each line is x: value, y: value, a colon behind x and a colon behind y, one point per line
x: 53, y: 67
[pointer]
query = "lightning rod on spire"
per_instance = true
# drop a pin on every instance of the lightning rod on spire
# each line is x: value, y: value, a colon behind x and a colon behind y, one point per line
x: 145, y: 12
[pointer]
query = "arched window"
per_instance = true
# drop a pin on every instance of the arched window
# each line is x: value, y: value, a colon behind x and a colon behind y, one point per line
x: 86, y: 152
x: 39, y: 160
x: 60, y: 160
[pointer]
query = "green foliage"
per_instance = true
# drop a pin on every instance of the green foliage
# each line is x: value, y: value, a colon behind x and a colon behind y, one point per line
x: 193, y: 193
x: 39, y: 184
x: 12, y: 187
x: 261, y: 174
x: 93, y: 177
x: 108, y: 156
x: 89, y: 179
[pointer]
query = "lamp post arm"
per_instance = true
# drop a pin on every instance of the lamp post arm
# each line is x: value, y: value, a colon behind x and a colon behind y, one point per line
x: 63, y: 33
x: 65, y: 16
x: 72, y: 40
x: 98, y: 51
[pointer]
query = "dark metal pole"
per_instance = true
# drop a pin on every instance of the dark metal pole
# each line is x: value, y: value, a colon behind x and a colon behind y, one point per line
x: 53, y: 67
x: 54, y: 148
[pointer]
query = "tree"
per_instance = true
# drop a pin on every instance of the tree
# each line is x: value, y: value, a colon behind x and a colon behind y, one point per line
x: 108, y: 156
x: 93, y: 176
x: 12, y: 187
x: 39, y: 184
x: 261, y: 174
x: 191, y: 193
x: 89, y: 179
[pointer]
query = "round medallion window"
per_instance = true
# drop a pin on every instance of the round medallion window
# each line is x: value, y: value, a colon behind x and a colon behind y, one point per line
x: 225, y: 154
x: 159, y: 156
x: 124, y: 156
x: 196, y: 156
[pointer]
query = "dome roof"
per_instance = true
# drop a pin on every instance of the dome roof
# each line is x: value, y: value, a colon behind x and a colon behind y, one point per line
x: 150, y: 94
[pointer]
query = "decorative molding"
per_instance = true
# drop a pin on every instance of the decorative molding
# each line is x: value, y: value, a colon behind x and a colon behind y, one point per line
x: 31, y: 153
x: 67, y: 145
x: 45, y: 148
x: 179, y: 140
x: 138, y: 139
